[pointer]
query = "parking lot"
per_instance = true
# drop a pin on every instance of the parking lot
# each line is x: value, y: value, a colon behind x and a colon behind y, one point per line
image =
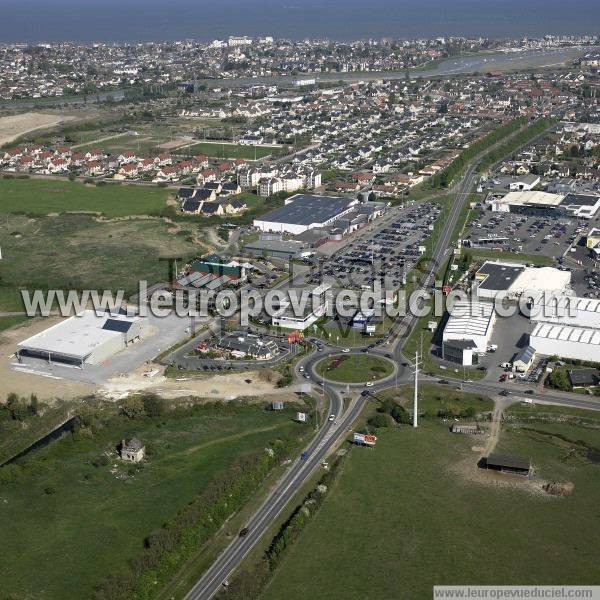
x: 547, y: 236
x: 387, y: 254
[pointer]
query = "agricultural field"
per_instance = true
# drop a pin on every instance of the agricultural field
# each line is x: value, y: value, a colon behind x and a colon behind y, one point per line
x: 76, y: 500
x: 222, y: 150
x: 46, y: 196
x: 79, y: 252
x: 427, y: 516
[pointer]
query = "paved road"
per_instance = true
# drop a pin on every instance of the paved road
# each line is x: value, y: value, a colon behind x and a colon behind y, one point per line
x: 331, y: 432
x: 289, y: 484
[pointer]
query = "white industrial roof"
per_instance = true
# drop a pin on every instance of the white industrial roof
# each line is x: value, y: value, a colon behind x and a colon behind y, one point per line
x: 566, y: 333
x: 469, y: 318
x: 568, y: 310
x: 77, y: 336
x: 542, y: 279
x: 532, y: 197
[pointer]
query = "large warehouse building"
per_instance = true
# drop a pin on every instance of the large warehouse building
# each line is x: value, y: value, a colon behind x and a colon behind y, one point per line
x: 86, y: 338
x: 537, y: 203
x: 305, y: 211
x: 512, y: 280
x: 565, y: 341
x: 567, y: 326
x: 468, y: 331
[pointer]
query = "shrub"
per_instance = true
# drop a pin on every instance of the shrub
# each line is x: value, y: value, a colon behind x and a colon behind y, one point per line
x: 379, y: 420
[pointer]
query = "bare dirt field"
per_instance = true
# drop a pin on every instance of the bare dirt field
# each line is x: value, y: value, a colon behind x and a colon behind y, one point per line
x: 14, y: 126
x: 228, y: 387
x: 218, y: 387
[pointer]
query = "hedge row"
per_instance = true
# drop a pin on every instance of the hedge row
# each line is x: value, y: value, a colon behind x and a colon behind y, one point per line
x: 249, y: 584
x: 166, y: 551
x: 443, y: 178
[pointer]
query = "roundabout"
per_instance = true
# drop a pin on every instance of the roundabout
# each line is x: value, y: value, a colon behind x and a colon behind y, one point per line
x: 354, y: 368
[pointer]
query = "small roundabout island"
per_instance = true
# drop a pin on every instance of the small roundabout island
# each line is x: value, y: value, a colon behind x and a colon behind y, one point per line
x: 354, y: 368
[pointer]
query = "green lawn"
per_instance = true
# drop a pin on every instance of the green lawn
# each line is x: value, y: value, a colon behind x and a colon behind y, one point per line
x: 66, y: 542
x: 77, y: 252
x: 217, y: 150
x: 354, y: 368
x: 8, y: 322
x: 45, y: 196
x: 434, y: 397
x: 537, y: 259
x: 401, y: 519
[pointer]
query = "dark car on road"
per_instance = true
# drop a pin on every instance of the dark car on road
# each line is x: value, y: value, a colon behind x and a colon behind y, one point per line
x: 244, y: 532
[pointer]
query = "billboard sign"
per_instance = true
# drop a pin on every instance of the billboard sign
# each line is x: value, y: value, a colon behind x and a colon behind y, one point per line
x: 365, y: 439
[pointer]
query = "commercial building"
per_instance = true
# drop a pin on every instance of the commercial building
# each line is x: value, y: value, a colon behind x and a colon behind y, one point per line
x: 592, y: 242
x: 277, y: 249
x: 304, y: 314
x: 537, y: 203
x: 567, y: 326
x: 86, y: 338
x: 512, y: 280
x: 566, y: 341
x: 524, y: 359
x: 218, y: 266
x: 467, y: 332
x: 304, y: 211
x: 244, y: 345
x: 567, y: 310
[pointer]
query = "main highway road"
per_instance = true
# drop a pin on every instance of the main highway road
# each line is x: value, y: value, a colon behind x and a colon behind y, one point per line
x: 333, y: 431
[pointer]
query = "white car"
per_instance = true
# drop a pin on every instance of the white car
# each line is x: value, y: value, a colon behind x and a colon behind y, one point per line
x: 346, y: 350
x: 369, y: 384
x: 331, y: 418
x: 301, y: 369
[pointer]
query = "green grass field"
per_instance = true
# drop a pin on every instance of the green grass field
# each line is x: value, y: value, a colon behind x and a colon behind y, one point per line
x: 217, y: 150
x: 403, y: 517
x: 354, y: 368
x: 8, y: 322
x: 77, y: 252
x: 66, y: 541
x: 45, y: 196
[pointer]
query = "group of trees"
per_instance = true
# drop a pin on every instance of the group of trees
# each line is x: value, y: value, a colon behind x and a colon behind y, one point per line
x: 147, y: 405
x: 387, y: 409
x: 19, y: 409
x: 444, y: 178
x: 559, y: 380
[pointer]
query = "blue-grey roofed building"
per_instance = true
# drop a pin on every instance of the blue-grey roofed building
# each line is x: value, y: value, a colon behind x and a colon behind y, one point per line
x: 305, y: 211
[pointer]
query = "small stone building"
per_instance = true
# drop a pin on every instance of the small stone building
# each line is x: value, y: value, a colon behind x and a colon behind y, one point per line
x: 133, y: 450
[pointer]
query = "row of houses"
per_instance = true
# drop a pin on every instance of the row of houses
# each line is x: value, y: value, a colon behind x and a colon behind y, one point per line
x: 214, y: 198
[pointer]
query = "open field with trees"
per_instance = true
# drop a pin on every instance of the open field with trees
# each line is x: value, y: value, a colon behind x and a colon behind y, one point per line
x: 411, y: 514
x: 78, y: 252
x: 46, y: 196
x: 76, y: 499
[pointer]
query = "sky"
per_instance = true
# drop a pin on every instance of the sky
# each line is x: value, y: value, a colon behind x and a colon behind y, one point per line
x: 158, y: 20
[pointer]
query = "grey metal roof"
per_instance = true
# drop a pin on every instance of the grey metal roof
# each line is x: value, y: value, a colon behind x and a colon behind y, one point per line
x: 499, y: 276
x: 583, y: 376
x: 579, y: 200
x: 526, y: 355
x: 306, y: 209
x: 508, y: 461
x: 117, y: 325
